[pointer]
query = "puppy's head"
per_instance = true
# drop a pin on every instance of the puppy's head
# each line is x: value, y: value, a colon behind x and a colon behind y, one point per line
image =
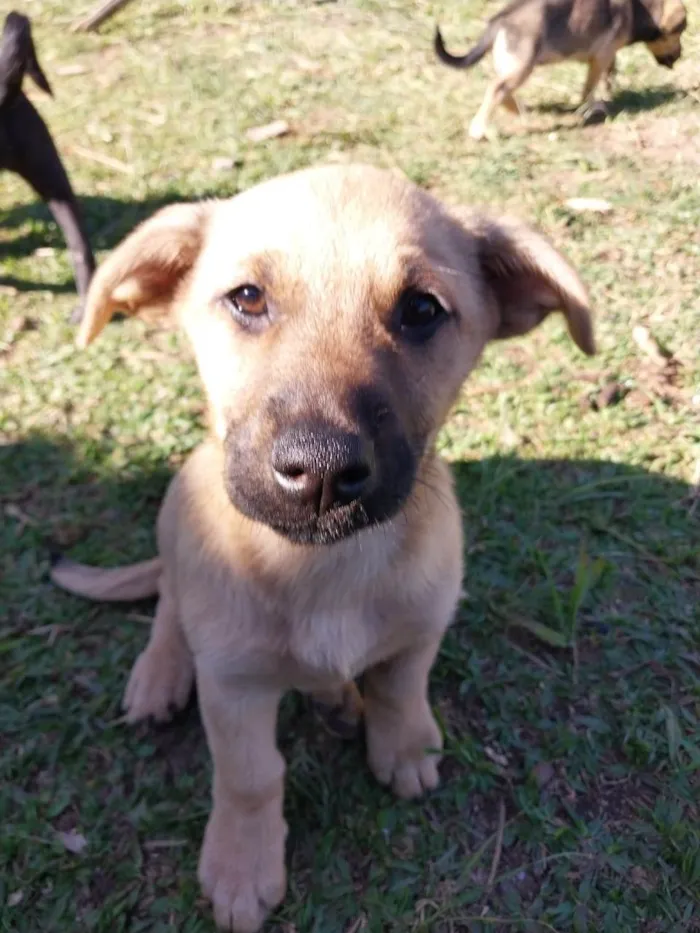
x: 660, y: 24
x: 334, y: 315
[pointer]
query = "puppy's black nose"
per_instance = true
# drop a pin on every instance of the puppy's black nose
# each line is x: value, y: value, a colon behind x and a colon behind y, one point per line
x: 321, y: 466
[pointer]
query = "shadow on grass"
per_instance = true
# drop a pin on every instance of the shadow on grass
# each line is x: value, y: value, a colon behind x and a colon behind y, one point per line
x: 107, y: 219
x: 626, y: 101
x: 629, y: 101
x: 580, y: 739
x: 27, y: 285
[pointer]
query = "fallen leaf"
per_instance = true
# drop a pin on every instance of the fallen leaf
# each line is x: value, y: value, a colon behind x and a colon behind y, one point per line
x: 154, y: 844
x: 14, y: 511
x: 496, y: 757
x: 15, y: 898
x: 259, y: 134
x: 68, y: 70
x: 140, y: 617
x: 358, y: 924
x: 596, y: 205
x: 673, y: 733
x: 543, y: 772
x: 640, y: 878
x: 306, y: 64
x: 543, y: 632
x: 103, y: 159
x: 73, y: 842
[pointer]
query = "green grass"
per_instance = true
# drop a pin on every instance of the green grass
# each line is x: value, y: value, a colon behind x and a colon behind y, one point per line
x: 569, y: 688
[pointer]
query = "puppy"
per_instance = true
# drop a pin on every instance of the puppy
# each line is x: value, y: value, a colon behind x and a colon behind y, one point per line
x: 334, y: 314
x: 26, y: 146
x: 528, y: 33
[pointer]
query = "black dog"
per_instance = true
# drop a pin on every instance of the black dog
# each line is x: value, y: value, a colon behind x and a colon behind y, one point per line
x: 26, y: 146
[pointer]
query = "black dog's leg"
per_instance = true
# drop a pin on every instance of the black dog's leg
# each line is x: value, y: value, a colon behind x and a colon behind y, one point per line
x: 36, y: 159
x: 66, y: 213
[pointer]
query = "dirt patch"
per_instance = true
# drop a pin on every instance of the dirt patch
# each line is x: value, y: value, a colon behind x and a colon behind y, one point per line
x: 666, y: 139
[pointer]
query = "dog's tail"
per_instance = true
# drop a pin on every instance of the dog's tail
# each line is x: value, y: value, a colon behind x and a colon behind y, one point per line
x: 473, y: 55
x: 119, y: 584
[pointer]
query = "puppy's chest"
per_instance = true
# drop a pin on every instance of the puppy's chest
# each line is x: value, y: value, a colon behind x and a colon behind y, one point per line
x: 334, y: 644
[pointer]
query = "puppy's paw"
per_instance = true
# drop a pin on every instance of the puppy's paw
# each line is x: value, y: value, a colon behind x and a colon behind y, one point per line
x: 404, y: 752
x: 410, y: 777
x: 477, y: 130
x: 594, y: 112
x: 241, y: 868
x: 159, y: 685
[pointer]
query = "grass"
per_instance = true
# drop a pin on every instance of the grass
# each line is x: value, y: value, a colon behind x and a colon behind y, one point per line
x: 569, y: 687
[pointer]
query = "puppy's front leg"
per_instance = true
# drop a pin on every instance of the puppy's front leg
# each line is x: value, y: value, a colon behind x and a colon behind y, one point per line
x: 599, y: 68
x: 402, y: 735
x: 241, y: 867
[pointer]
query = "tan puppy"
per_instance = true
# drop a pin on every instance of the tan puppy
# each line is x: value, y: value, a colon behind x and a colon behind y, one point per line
x: 528, y: 33
x: 334, y: 315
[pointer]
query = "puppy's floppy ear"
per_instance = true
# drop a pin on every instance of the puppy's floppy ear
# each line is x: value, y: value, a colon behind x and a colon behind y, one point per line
x: 673, y: 16
x: 528, y: 278
x: 146, y: 268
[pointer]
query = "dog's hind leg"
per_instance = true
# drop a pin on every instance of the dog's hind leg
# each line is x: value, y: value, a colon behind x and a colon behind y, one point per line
x: 36, y: 159
x: 66, y: 213
x: 512, y: 105
x: 161, y: 679
x: 340, y: 710
x: 513, y: 67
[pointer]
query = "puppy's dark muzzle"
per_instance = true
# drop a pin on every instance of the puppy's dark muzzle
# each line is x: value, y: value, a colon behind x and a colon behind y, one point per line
x: 667, y: 61
x: 320, y: 468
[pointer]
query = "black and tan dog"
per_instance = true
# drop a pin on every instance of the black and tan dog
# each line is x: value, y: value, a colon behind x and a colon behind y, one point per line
x: 528, y: 33
x: 26, y: 146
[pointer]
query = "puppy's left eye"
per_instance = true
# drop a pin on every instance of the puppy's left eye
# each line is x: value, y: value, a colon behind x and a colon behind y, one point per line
x: 419, y: 314
x: 246, y: 301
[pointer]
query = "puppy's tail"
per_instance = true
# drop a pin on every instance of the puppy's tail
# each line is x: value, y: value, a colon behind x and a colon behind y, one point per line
x: 120, y: 584
x: 473, y: 55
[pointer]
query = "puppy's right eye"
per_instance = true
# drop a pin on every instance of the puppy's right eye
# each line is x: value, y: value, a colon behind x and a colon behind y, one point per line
x: 246, y: 303
x: 419, y: 315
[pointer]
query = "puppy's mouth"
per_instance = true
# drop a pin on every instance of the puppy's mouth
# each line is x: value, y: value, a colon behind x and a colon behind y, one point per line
x: 341, y: 523
x: 667, y: 61
x: 318, y: 530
